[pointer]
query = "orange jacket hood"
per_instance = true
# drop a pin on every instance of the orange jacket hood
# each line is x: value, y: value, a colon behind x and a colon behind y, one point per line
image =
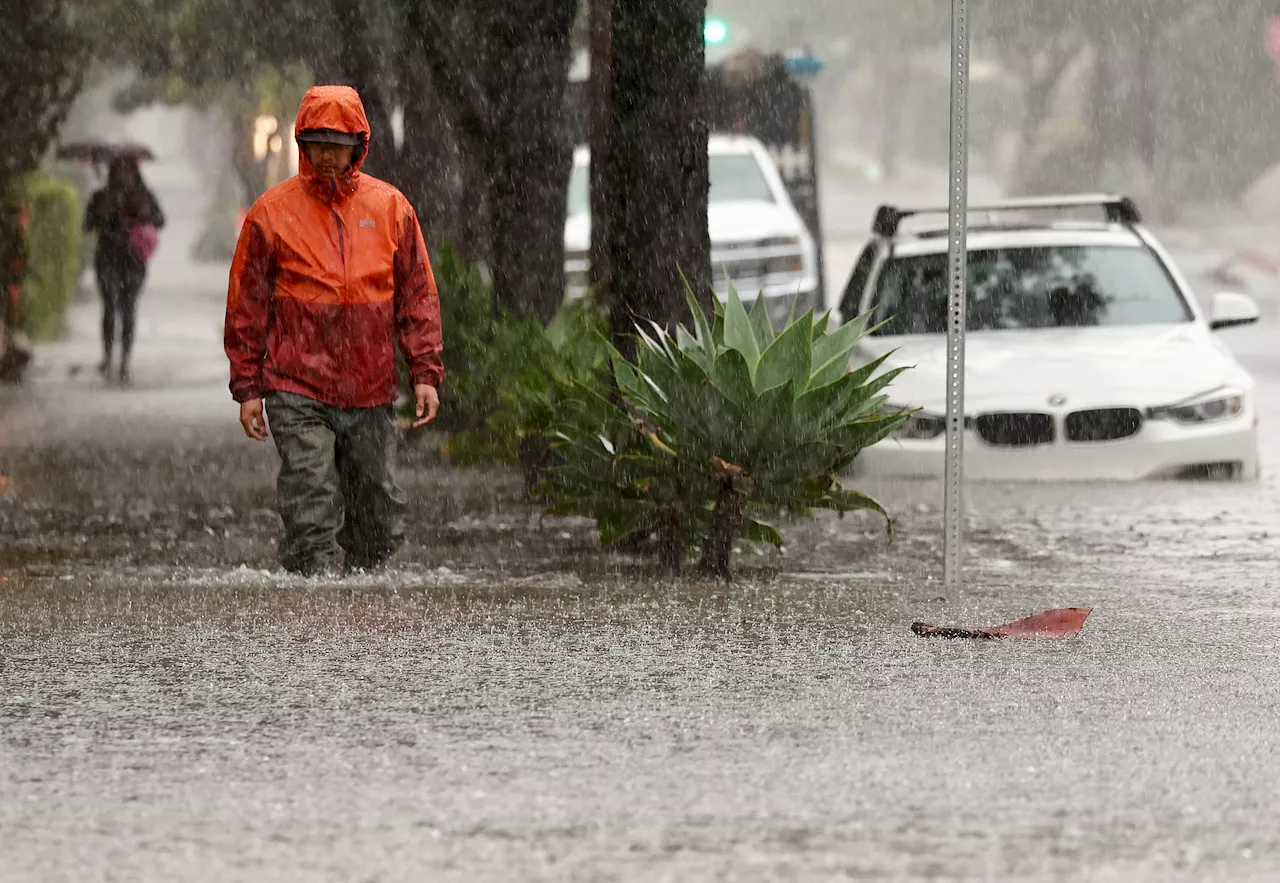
x: 338, y: 108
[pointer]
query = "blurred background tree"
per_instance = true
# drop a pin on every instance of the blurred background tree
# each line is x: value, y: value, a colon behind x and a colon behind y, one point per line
x: 1177, y: 98
x: 41, y: 70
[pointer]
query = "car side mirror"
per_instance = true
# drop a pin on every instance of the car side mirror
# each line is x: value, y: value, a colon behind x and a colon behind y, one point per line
x: 1230, y: 310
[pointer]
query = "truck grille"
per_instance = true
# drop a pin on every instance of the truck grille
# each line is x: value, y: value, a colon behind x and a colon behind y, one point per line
x: 1015, y: 430
x: 1103, y: 424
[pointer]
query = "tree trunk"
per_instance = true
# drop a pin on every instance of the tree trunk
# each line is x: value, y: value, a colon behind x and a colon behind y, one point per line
x: 895, y: 87
x: 429, y: 154
x: 599, y: 108
x: 1101, y: 112
x: 537, y: 458
x: 528, y: 77
x: 1042, y: 73
x: 474, y: 230
x: 726, y: 525
x: 250, y: 171
x: 363, y: 72
x: 1145, y: 97
x: 455, y: 45
x: 727, y: 520
x: 670, y: 540
x: 41, y: 71
x: 655, y: 171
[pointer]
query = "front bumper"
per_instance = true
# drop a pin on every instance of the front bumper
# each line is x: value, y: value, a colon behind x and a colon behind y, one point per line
x: 780, y: 304
x: 1160, y: 449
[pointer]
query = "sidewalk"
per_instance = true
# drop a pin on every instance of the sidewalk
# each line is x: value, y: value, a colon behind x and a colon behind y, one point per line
x: 179, y: 386
x: 179, y: 371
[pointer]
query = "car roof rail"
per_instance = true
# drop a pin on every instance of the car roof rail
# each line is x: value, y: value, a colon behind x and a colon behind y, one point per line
x: 1117, y: 209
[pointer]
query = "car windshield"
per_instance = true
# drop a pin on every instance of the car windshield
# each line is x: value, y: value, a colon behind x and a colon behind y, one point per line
x: 1048, y: 287
x: 737, y: 178
x: 734, y: 177
x: 579, y: 190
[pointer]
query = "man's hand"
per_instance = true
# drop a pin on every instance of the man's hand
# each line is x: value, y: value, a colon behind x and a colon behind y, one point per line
x: 428, y: 403
x: 253, y: 420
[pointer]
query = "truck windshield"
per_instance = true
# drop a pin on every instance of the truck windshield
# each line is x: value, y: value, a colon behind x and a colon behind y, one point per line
x: 1048, y: 287
x: 735, y: 177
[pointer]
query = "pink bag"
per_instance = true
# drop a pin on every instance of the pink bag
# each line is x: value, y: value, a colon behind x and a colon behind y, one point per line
x: 144, y: 239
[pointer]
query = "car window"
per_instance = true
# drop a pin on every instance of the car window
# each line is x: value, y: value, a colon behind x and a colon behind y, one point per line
x: 851, y: 300
x: 734, y: 178
x: 1049, y: 287
x: 579, y: 190
x: 737, y: 177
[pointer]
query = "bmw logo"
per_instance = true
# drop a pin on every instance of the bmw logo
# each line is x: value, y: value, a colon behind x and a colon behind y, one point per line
x: 1057, y: 400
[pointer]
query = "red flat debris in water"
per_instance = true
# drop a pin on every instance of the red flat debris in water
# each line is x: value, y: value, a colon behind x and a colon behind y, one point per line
x: 1065, y: 622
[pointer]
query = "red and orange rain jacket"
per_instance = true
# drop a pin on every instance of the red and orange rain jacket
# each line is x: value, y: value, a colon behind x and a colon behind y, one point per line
x: 328, y: 275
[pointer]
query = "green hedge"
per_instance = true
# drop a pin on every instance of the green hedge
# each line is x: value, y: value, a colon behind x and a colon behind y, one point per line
x: 54, y: 240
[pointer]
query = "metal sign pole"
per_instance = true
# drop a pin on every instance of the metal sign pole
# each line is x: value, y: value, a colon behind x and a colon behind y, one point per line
x: 957, y: 231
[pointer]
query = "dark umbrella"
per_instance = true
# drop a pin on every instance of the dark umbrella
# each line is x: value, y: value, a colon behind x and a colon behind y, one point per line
x: 103, y: 152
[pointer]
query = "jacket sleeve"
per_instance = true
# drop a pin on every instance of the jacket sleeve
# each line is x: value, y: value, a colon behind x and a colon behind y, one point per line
x: 249, y: 309
x: 417, y: 304
x: 156, y: 217
x: 91, y: 220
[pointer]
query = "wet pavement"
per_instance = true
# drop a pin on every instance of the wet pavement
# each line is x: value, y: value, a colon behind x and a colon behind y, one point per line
x: 510, y: 703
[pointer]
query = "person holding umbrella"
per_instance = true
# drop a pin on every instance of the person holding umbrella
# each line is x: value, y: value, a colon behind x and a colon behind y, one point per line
x: 125, y: 215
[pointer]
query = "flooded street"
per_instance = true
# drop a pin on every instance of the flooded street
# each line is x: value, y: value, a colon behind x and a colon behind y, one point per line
x: 511, y: 703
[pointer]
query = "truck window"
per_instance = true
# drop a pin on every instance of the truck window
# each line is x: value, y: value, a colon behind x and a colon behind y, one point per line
x: 850, y: 301
x: 737, y: 177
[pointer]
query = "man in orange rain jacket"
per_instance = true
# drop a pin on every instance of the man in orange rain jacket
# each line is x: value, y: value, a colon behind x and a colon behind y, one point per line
x: 330, y: 273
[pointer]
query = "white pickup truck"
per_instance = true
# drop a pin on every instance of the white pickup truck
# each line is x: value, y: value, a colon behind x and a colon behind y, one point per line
x: 756, y: 233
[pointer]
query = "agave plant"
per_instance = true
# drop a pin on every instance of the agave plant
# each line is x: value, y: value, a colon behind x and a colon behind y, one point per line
x: 716, y: 432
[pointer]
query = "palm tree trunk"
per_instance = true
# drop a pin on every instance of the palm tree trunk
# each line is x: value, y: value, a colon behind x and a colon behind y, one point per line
x: 528, y: 77
x: 599, y: 109
x: 655, y: 168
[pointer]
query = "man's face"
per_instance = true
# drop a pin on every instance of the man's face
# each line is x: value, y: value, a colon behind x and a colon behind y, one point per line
x: 329, y: 160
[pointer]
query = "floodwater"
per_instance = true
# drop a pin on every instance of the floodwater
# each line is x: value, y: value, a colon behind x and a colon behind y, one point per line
x: 511, y: 703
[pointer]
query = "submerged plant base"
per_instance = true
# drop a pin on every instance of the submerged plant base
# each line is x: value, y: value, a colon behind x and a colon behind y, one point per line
x: 1063, y: 623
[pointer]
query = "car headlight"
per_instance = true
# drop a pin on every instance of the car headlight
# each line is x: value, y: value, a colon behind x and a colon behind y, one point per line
x: 1221, y: 404
x: 920, y: 426
x: 786, y: 264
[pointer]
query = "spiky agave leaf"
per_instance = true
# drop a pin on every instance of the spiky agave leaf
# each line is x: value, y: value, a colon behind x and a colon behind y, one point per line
x: 787, y: 358
x: 739, y: 334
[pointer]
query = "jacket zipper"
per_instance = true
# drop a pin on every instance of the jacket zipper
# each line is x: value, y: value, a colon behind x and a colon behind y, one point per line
x: 342, y: 238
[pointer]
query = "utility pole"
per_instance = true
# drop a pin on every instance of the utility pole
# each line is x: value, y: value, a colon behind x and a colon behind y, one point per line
x: 957, y: 271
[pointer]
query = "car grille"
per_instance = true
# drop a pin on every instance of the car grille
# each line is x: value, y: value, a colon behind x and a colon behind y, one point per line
x: 1015, y: 429
x: 1103, y: 424
x: 739, y: 269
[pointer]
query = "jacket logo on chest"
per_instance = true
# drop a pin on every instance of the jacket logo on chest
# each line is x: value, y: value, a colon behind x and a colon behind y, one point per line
x: 367, y: 223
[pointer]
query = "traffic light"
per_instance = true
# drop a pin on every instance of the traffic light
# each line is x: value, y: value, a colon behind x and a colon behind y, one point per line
x: 715, y: 31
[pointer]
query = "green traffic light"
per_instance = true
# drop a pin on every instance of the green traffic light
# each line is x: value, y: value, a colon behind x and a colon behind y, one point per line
x: 715, y: 30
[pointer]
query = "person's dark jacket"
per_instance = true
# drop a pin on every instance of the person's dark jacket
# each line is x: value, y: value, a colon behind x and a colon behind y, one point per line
x: 113, y: 212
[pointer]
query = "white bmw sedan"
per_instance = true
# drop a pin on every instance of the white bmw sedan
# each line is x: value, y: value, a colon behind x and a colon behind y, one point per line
x: 1087, y: 358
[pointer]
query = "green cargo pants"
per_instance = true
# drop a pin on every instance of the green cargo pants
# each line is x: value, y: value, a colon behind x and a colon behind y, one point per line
x: 337, y: 489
